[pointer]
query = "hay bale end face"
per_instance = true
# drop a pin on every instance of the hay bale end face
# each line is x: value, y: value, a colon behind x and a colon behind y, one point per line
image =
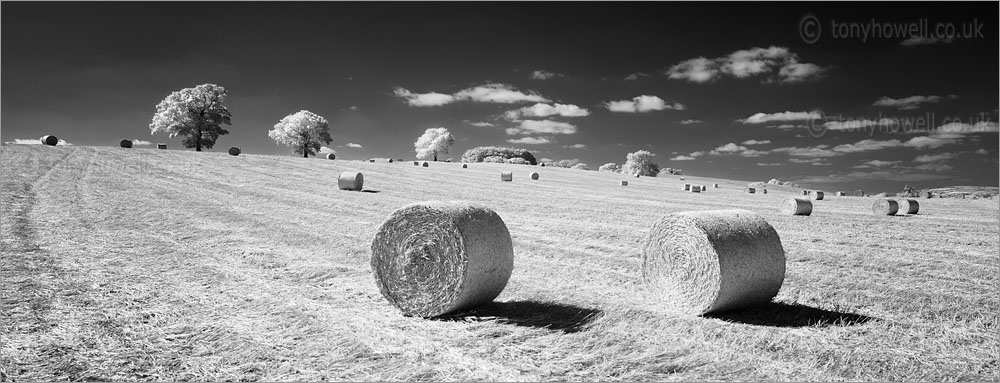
x: 715, y: 186
x: 859, y: 193
x: 436, y: 257
x: 49, y: 140
x: 465, y: 166
x: 751, y: 190
x: 390, y: 160
x: 909, y: 206
x: 701, y: 262
x: 816, y: 195
x: 234, y: 151
x: 534, y: 175
x: 682, y: 178
x: 841, y: 194
x: 695, y: 189
x: 506, y: 176
x: 624, y: 183
x: 416, y: 163
x: 371, y: 160
x: 127, y: 144
x: 331, y: 156
x: 351, y: 181
x: 763, y: 191
x: 687, y: 187
x: 424, y: 164
x: 805, y: 192
x: 797, y: 206
x: 161, y: 146
x: 885, y: 207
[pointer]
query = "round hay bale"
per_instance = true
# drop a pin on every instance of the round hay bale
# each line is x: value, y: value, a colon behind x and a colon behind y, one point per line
x: 816, y: 195
x: 161, y: 146
x: 926, y: 194
x: 702, y: 187
x: 636, y: 175
x: 542, y: 165
x: 624, y: 183
x: 436, y: 257
x: 416, y: 163
x: 371, y: 160
x: 715, y: 186
x: 687, y: 187
x: 682, y: 178
x: 841, y: 194
x: 234, y: 151
x: 507, y: 176
x: 751, y: 190
x: 351, y: 181
x: 424, y: 164
x: 797, y: 206
x: 910, y: 206
x: 331, y: 156
x: 763, y: 191
x: 127, y: 144
x: 49, y: 140
x: 700, y: 262
x: 859, y: 193
x: 464, y: 166
x: 534, y: 175
x: 885, y: 207
x: 695, y: 189
x: 805, y: 192
x: 390, y: 160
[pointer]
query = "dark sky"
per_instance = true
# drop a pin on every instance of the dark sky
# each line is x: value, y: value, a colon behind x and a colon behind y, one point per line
x: 92, y: 73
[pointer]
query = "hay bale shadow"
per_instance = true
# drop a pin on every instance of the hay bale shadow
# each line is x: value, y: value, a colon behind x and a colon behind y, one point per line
x: 553, y: 316
x: 776, y: 314
x: 370, y: 191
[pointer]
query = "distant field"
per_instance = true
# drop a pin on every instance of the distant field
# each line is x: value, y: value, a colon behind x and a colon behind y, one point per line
x: 149, y: 264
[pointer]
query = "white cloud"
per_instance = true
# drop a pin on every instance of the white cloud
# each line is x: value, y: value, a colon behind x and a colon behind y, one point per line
x: 682, y: 158
x: 353, y: 145
x: 138, y: 142
x: 815, y: 151
x: 35, y: 141
x: 906, y: 103
x: 933, y: 141
x: 424, y: 99
x: 760, y: 118
x: 689, y: 122
x: 934, y: 167
x: 982, y: 151
x: 879, y: 163
x: 732, y: 148
x: 546, y: 110
x: 979, y: 127
x: 530, y: 140
x: 805, y: 160
x: 857, y: 125
x: 498, y: 93
x: 866, y: 146
x: 642, y: 104
x: 481, y: 124
x: 324, y: 149
x: 756, y: 142
x: 635, y: 76
x: 920, y: 40
x: 747, y: 63
x: 934, y: 157
x: 698, y: 70
x: 575, y: 146
x: 542, y: 127
x: 544, y: 75
x: 769, y: 164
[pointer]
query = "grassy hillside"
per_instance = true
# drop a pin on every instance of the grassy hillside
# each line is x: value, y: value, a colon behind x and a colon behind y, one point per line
x: 172, y: 265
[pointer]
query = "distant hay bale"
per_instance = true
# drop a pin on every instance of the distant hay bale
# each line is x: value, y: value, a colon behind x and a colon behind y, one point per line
x: 624, y: 183
x: 859, y: 193
x: 816, y: 195
x: 763, y: 191
x: 424, y: 164
x: 687, y: 187
x: 841, y: 194
x: 506, y: 176
x: 416, y: 163
x: 371, y: 160
x: 436, y: 257
x: 797, y: 206
x: 700, y: 262
x: 636, y: 175
x: 805, y: 192
x: 926, y: 194
x: 885, y: 207
x: 351, y: 181
x: 751, y: 190
x: 390, y: 160
x: 331, y: 156
x: 682, y: 178
x: 715, y: 186
x: 127, y: 144
x: 534, y: 175
x: 695, y: 189
x: 465, y: 166
x: 702, y: 187
x: 234, y: 151
x: 910, y: 206
x: 49, y: 140
x: 161, y: 146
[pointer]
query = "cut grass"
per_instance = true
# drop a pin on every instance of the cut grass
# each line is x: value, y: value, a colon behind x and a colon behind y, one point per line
x: 172, y: 265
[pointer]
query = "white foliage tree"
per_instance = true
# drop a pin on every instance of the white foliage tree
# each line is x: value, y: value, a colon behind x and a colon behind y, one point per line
x: 434, y: 141
x: 610, y: 167
x: 196, y: 113
x: 641, y: 163
x: 304, y: 131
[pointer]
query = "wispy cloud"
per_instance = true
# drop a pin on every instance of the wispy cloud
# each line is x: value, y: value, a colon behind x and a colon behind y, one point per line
x: 138, y: 142
x: 575, y: 146
x: 682, y: 158
x: 642, y: 104
x: 530, y: 140
x: 756, y: 142
x: 920, y: 40
x: 546, y: 110
x: 324, y: 149
x: 934, y: 157
x: 698, y: 70
x: 635, y: 76
x: 689, y: 122
x: 760, y: 118
x: 528, y: 127
x: 774, y: 64
x: 908, y: 103
x: 488, y: 93
x: 353, y: 145
x: 877, y: 164
x: 35, y: 141
x: 481, y: 124
x: 544, y: 75
x: 424, y: 99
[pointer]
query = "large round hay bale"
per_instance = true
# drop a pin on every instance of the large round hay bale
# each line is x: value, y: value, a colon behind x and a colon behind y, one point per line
x: 127, y: 144
x: 506, y: 176
x: 234, y: 151
x: 695, y: 189
x: 351, y: 181
x: 534, y: 175
x: 331, y: 156
x: 885, y: 207
x: 464, y: 166
x: 436, y: 257
x: 424, y: 164
x: 909, y: 206
x: 161, y: 146
x: 751, y: 190
x: 859, y: 193
x: 797, y: 206
x: 816, y: 195
x: 700, y: 262
x: 624, y: 183
x: 687, y: 187
x: 49, y: 140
